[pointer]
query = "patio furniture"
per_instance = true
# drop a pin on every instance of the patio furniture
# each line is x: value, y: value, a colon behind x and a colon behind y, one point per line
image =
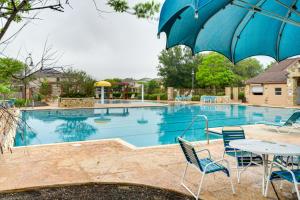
x: 244, y: 159
x: 290, y: 175
x: 204, y: 165
x: 132, y: 96
x: 292, y: 123
x: 266, y: 148
x: 208, y: 99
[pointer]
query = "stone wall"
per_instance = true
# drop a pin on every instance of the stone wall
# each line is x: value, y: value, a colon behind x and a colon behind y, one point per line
x: 76, y: 102
x: 8, y: 128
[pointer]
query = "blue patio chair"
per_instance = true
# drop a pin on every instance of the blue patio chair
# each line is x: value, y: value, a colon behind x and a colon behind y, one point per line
x: 292, y: 123
x: 204, y: 165
x: 178, y: 98
x: 244, y: 159
x: 290, y: 175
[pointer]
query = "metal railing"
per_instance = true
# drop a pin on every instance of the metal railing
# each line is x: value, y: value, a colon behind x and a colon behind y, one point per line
x: 192, y: 123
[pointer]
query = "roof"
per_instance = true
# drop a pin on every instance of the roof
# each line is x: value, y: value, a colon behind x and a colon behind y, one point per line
x: 47, y: 72
x: 277, y: 73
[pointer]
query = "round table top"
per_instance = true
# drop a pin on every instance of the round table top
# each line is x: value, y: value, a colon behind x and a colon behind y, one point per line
x: 266, y: 147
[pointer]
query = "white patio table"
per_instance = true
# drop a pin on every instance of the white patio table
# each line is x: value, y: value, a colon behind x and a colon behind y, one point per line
x: 266, y: 148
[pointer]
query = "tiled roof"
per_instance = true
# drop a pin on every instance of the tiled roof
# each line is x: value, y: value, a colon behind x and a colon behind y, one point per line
x: 275, y: 74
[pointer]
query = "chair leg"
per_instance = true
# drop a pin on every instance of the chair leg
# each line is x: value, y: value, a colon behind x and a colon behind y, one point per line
x: 200, y: 186
x: 297, y: 190
x: 184, y: 173
x: 230, y: 179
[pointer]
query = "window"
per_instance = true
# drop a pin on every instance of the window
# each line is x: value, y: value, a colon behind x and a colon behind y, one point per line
x: 257, y: 90
x: 278, y: 91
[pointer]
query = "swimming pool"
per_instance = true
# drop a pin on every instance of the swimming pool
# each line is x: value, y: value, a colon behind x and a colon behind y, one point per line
x: 138, y: 126
x: 124, y: 101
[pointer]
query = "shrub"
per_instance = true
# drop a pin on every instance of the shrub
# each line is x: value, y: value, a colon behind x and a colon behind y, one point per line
x: 196, y: 98
x: 21, y: 102
x: 242, y: 96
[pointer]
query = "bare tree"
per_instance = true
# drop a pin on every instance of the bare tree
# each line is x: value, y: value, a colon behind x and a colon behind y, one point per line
x: 48, y: 61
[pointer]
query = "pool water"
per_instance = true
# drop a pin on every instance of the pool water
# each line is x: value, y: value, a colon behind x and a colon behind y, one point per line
x: 122, y: 101
x: 138, y: 126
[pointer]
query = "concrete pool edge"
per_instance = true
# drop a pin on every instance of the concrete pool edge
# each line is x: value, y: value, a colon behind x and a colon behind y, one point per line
x: 118, y: 140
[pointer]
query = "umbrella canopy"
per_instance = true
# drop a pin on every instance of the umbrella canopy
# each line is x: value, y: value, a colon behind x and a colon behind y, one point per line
x: 235, y: 28
x: 102, y: 84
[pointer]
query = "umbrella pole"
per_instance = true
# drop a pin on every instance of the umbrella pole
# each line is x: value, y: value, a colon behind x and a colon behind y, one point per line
x: 142, y: 92
x: 102, y: 95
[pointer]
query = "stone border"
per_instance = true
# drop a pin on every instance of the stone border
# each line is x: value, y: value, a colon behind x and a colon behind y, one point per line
x: 76, y: 102
x: 8, y: 139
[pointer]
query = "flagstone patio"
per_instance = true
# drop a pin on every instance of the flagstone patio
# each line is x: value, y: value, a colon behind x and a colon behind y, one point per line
x: 114, y: 161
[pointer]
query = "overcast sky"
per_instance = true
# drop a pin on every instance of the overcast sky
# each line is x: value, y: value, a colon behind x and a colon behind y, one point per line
x: 113, y: 45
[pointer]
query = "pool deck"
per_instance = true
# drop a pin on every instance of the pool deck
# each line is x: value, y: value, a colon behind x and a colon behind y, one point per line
x: 115, y: 161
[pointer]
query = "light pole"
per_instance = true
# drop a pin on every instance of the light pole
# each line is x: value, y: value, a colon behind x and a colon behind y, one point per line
x: 28, y: 63
x: 193, y: 75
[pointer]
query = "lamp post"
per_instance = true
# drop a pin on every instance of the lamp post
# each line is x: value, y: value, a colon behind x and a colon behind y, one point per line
x: 28, y: 63
x: 193, y: 75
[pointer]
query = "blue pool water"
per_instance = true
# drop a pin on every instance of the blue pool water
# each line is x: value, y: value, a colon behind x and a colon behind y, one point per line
x: 138, y: 126
x: 122, y: 101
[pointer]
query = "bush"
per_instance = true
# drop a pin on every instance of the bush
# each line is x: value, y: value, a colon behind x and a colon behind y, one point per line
x: 21, y: 102
x: 38, y: 97
x: 117, y: 94
x: 196, y: 98
x: 242, y: 96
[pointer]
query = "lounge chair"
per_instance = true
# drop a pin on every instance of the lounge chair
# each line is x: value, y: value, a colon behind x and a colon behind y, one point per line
x: 204, y: 165
x: 132, y: 96
x: 292, y: 123
x: 290, y: 175
x: 244, y: 159
x: 178, y: 98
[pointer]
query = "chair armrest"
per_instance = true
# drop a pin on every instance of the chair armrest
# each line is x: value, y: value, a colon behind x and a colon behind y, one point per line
x: 218, y: 161
x: 204, y: 150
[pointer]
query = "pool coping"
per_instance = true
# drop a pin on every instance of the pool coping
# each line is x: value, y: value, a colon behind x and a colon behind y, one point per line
x: 118, y: 140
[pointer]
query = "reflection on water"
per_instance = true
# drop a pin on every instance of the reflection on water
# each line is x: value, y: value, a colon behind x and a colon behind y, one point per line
x: 138, y: 126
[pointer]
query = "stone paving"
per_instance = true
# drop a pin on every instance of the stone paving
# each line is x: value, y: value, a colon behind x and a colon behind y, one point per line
x: 114, y: 161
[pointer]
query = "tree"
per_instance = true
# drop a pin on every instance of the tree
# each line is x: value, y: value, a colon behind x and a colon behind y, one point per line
x: 247, y: 69
x: 152, y: 87
x: 176, y: 65
x: 115, y: 83
x: 8, y: 69
x: 77, y: 83
x: 16, y: 11
x: 270, y: 65
x: 45, y: 88
x: 215, y: 72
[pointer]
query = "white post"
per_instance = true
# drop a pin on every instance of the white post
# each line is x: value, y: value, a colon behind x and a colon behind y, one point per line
x: 142, y: 92
x: 102, y: 95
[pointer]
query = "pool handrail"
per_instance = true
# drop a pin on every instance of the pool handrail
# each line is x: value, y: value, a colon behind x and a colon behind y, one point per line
x: 193, y: 121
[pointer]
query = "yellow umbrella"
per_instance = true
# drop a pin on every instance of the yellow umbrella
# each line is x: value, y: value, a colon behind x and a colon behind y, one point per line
x: 102, y: 84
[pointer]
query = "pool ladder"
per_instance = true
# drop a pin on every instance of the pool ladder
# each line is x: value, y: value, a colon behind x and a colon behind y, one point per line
x: 192, y: 123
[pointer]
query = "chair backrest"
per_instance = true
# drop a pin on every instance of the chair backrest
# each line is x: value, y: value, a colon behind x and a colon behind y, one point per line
x: 295, y: 116
x: 189, y: 153
x: 232, y: 133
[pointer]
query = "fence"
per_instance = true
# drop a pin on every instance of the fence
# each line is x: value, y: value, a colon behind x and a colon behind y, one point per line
x: 201, y: 91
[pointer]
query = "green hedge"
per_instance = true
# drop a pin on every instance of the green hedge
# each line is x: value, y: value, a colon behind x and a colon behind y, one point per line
x: 21, y: 102
x: 196, y: 98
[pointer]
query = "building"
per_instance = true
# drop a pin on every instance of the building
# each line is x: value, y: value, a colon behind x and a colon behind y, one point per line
x: 278, y: 86
x: 50, y: 75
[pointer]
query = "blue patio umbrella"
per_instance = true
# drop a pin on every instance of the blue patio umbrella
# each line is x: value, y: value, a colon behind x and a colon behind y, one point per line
x: 235, y: 28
